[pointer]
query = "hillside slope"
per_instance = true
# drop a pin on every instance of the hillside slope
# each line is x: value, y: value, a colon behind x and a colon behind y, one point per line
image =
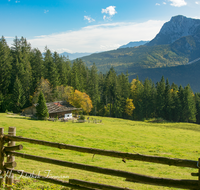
x: 183, y: 74
x: 136, y: 58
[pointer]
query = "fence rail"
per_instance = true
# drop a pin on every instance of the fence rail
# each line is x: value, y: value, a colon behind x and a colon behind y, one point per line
x: 79, y: 184
x: 127, y: 156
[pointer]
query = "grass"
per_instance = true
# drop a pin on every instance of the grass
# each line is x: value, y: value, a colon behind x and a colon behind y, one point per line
x: 175, y: 140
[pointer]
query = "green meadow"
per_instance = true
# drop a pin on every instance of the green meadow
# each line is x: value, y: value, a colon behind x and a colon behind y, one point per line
x: 175, y: 140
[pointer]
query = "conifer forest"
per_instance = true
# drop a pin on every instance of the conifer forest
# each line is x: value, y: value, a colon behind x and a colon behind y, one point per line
x: 25, y: 72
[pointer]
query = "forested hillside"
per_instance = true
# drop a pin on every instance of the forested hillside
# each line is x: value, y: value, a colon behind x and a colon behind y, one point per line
x: 137, y: 58
x: 24, y: 72
x: 181, y: 75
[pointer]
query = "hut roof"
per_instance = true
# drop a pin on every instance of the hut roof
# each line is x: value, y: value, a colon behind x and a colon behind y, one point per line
x: 60, y: 106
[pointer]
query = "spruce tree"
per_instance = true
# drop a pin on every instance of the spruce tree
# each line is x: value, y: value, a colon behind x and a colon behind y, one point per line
x: 92, y: 89
x: 189, y: 108
x: 41, y: 108
x: 18, y: 96
x: 160, y: 98
x: 5, y: 67
x: 50, y: 69
x: 37, y: 68
x: 168, y: 102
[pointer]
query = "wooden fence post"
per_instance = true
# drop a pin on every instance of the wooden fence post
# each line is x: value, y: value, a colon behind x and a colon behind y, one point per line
x: 1, y: 157
x: 198, y: 165
x: 10, y: 176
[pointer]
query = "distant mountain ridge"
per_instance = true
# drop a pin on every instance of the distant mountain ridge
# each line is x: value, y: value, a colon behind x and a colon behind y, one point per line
x: 73, y: 56
x: 134, y: 44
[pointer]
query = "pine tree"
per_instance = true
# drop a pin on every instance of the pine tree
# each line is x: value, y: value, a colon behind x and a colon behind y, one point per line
x: 181, y: 103
x: 168, y: 102
x: 189, y: 108
x: 75, y: 83
x: 18, y: 96
x: 63, y: 67
x: 5, y: 67
x: 21, y: 66
x: 160, y: 98
x: 92, y: 88
x: 146, y: 99
x: 41, y: 108
x: 50, y: 69
x: 37, y: 68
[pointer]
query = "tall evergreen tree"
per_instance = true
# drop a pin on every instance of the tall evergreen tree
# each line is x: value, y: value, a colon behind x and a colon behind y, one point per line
x: 160, y: 98
x: 18, y: 96
x: 146, y: 99
x: 37, y: 65
x: 41, y: 108
x: 168, y: 102
x: 75, y: 83
x: 189, y: 108
x: 93, y: 87
x: 51, y: 70
x: 63, y: 67
x: 5, y: 67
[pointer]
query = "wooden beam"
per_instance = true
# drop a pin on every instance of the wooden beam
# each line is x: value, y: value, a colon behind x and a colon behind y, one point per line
x: 127, y: 156
x: 13, y: 148
x: 95, y: 185
x: 10, y: 164
x: 1, y: 157
x: 10, y: 158
x: 128, y: 175
x: 50, y: 180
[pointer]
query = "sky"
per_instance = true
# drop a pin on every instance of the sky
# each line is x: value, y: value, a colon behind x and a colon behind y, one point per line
x: 88, y: 25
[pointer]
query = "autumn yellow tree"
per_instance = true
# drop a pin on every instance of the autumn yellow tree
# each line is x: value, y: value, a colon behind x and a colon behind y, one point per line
x: 129, y: 107
x: 81, y: 100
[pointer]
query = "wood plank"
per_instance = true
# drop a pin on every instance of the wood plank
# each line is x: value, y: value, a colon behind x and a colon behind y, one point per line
x: 122, y: 155
x: 188, y: 184
x: 1, y: 158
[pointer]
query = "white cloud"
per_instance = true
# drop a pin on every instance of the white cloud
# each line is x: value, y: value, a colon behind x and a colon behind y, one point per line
x: 164, y: 3
x: 46, y: 11
x: 110, y: 11
x: 102, y: 37
x: 17, y: 1
x: 89, y: 19
x: 197, y: 2
x: 178, y: 3
x: 157, y: 4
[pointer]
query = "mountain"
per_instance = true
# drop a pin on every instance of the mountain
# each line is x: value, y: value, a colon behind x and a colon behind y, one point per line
x: 137, y: 58
x: 177, y: 43
x: 169, y: 53
x: 179, y: 26
x: 134, y: 44
x: 73, y: 56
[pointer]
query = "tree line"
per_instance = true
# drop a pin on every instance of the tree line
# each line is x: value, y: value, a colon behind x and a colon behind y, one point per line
x: 24, y: 72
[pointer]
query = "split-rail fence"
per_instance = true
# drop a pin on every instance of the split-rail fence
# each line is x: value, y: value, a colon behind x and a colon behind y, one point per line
x: 7, y: 167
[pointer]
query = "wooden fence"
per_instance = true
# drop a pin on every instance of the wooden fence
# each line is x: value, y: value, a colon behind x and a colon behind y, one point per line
x: 7, y: 168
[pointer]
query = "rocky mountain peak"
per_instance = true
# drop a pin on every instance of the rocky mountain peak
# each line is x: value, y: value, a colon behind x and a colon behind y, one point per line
x: 179, y: 26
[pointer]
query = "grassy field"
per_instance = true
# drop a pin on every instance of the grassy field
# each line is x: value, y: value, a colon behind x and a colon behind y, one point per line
x: 175, y: 140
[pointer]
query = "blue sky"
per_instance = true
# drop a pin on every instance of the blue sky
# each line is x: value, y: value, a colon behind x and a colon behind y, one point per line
x: 88, y: 25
